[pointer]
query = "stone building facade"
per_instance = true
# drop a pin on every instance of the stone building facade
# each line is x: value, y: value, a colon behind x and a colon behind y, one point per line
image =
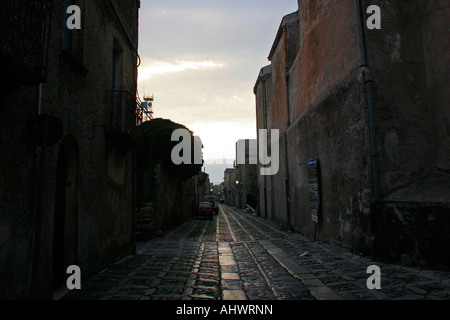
x: 202, y: 186
x: 229, y: 186
x: 245, y: 174
x: 364, y: 119
x: 66, y: 192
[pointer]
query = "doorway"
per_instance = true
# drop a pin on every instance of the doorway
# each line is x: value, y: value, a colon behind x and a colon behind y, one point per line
x: 65, y: 225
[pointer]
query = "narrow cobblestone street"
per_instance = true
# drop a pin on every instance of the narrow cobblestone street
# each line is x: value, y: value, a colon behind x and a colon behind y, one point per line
x: 237, y: 256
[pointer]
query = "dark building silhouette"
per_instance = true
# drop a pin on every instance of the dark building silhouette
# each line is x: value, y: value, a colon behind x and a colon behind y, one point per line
x: 68, y: 99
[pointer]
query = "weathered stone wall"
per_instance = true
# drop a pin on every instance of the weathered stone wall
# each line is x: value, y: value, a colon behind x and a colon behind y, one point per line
x: 168, y: 201
x: 413, y: 135
x: 412, y: 93
x: 334, y: 132
x: 412, y: 224
x: 328, y: 50
x: 329, y: 123
x: 326, y: 121
x: 17, y: 193
x: 174, y: 202
x: 436, y: 17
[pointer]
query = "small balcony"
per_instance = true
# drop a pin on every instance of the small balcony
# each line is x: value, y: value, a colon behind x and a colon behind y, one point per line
x: 23, y: 42
x: 121, y: 119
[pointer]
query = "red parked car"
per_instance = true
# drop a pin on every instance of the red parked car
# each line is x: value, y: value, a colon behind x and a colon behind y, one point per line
x: 204, y: 209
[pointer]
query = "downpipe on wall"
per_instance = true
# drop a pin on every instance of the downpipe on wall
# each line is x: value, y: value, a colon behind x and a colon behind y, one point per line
x: 265, y: 126
x: 370, y: 103
x: 288, y: 124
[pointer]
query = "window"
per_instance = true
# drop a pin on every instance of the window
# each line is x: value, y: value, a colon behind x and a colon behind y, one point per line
x: 117, y: 67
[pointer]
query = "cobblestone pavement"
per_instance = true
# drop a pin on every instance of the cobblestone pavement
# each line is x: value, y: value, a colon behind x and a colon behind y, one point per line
x: 238, y: 256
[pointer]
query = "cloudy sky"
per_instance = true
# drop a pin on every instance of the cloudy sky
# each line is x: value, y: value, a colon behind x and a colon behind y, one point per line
x: 200, y: 60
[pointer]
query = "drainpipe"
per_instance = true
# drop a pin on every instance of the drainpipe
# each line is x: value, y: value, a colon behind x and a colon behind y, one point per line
x: 40, y: 184
x: 288, y: 191
x: 370, y: 103
x: 39, y: 204
x: 288, y: 123
x: 263, y: 81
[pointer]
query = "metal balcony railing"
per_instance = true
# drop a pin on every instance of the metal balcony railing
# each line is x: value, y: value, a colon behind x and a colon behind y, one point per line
x: 121, y: 113
x: 24, y: 35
